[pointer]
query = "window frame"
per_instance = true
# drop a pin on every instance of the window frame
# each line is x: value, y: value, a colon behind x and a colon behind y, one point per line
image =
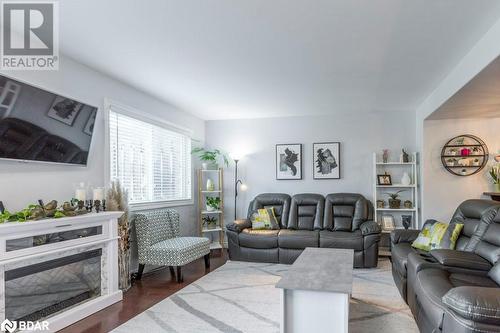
x: 142, y: 116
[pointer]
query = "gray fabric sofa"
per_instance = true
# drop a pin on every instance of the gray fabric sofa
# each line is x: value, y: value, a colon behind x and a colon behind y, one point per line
x: 340, y: 220
x: 454, y: 290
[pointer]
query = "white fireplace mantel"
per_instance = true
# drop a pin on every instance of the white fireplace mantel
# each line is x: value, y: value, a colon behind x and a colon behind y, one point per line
x: 18, y: 249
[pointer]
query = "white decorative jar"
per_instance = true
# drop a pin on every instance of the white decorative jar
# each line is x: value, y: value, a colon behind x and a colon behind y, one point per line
x: 210, y: 185
x: 406, y: 180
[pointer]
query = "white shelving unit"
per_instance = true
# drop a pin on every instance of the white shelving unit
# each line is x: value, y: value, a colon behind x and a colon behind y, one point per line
x: 396, y: 170
x: 215, y: 234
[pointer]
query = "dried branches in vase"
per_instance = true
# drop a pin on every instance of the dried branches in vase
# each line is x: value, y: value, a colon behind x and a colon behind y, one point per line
x: 117, y: 200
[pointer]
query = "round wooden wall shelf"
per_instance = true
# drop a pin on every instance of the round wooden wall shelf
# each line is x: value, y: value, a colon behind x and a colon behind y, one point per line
x: 464, y: 155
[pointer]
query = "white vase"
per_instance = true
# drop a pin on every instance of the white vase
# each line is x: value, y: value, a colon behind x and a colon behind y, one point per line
x: 210, y: 208
x: 204, y: 165
x: 406, y: 180
x: 210, y: 185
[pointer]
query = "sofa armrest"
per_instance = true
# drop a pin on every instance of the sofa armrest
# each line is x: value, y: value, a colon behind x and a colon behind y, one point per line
x: 369, y: 228
x: 461, y: 259
x: 239, y: 225
x: 479, y: 304
x: 404, y: 235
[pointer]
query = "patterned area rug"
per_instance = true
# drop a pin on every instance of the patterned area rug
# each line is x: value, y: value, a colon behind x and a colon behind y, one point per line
x: 241, y: 297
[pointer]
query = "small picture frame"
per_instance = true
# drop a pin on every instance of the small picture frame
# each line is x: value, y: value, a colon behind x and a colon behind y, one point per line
x: 89, y: 125
x: 388, y: 222
x: 384, y: 179
x: 64, y: 110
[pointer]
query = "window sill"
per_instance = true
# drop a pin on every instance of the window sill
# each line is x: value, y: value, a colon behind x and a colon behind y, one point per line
x: 159, y: 204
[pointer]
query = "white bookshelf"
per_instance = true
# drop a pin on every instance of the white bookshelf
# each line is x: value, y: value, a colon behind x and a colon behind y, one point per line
x: 396, y: 170
x: 215, y: 234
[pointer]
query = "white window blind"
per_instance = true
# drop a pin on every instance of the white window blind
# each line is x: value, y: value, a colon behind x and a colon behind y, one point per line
x: 153, y: 163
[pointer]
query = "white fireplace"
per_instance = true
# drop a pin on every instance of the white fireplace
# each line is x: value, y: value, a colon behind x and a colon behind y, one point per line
x: 58, y: 270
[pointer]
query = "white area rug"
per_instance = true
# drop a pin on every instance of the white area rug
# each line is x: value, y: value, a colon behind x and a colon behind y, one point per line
x: 241, y: 297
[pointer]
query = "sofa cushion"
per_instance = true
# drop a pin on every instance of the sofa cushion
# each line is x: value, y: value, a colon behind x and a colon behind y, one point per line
x: 280, y: 202
x: 341, y: 239
x: 306, y: 212
x: 298, y: 239
x: 444, y: 235
x: 434, y: 283
x: 399, y: 256
x: 461, y: 259
x: 345, y: 211
x: 259, y: 239
x: 494, y: 273
x: 475, y: 303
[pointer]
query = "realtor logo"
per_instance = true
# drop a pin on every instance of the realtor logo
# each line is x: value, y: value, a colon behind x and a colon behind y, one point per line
x: 8, y: 326
x: 30, y: 35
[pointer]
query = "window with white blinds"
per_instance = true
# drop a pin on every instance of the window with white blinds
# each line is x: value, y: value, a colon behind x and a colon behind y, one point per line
x: 152, y: 162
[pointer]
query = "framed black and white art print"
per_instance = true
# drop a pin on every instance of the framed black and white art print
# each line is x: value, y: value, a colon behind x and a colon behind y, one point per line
x: 326, y: 160
x: 289, y: 161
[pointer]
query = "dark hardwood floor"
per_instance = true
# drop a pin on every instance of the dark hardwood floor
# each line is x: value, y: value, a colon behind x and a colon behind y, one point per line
x: 151, y: 289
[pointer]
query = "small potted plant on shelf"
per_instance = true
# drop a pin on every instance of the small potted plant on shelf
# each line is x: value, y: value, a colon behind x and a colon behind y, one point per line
x: 394, y: 201
x: 495, y: 176
x: 213, y: 204
x: 210, y: 222
x: 210, y: 158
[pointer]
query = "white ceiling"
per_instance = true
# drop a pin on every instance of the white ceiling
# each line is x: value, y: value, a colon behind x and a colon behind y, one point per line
x: 479, y: 98
x: 223, y: 59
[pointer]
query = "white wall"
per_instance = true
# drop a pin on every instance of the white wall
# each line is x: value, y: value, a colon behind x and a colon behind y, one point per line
x: 444, y: 191
x: 483, y: 53
x: 21, y: 184
x: 360, y: 135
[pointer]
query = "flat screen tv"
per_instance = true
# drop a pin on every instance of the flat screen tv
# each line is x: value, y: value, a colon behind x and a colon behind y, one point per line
x: 37, y: 125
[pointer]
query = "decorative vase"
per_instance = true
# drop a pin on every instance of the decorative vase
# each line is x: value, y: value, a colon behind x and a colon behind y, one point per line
x: 204, y: 165
x: 408, y: 204
x: 210, y: 208
x: 406, y: 180
x: 394, y: 203
x: 385, y: 155
x: 210, y: 185
x: 380, y: 203
x: 406, y: 221
x: 124, y: 281
x: 497, y: 187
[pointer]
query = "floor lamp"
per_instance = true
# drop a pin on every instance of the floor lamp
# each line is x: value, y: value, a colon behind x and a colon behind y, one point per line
x: 236, y: 183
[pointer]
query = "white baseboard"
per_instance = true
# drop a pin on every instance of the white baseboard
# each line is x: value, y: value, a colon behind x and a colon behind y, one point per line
x: 81, y: 311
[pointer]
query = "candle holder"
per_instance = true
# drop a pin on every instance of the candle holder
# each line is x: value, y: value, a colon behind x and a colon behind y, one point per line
x: 88, y: 205
x: 81, y: 205
x: 103, y: 205
x: 97, y: 205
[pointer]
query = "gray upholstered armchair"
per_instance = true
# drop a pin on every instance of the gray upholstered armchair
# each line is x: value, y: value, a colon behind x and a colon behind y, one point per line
x: 159, y: 242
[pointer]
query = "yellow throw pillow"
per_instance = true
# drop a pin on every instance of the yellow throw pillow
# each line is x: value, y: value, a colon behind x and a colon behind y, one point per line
x: 423, y: 241
x: 444, y: 235
x: 264, y: 219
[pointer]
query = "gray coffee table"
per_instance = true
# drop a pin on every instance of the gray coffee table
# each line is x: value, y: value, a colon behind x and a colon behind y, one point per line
x: 316, y: 291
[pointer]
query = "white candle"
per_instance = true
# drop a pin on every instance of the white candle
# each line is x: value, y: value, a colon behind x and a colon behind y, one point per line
x: 81, y: 194
x: 99, y: 193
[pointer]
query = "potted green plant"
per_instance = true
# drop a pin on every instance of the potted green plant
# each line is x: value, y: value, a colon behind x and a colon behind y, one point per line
x: 213, y: 157
x: 495, y: 176
x: 210, y: 221
x: 213, y: 204
x: 394, y: 201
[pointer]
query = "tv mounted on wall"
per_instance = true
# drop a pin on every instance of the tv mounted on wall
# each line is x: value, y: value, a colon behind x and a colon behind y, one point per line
x: 37, y: 125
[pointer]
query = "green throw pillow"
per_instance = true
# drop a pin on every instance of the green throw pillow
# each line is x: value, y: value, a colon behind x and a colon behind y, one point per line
x: 444, y: 235
x: 423, y: 241
x: 264, y: 219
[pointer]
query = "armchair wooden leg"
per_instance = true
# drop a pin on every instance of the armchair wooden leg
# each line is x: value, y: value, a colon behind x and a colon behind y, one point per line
x: 179, y: 275
x: 172, y: 271
x: 207, y: 260
x: 138, y: 276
